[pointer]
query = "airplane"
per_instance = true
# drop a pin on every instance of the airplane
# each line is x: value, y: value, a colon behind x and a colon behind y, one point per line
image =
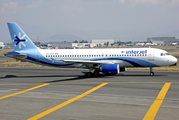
x: 107, y: 61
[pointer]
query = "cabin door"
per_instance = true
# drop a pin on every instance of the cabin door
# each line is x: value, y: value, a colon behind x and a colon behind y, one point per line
x: 151, y: 55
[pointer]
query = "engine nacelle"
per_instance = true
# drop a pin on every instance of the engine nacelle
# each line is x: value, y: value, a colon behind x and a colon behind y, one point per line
x: 110, y: 68
x: 123, y: 69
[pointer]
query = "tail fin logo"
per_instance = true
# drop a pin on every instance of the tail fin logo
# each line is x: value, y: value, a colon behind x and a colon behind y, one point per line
x: 20, y: 40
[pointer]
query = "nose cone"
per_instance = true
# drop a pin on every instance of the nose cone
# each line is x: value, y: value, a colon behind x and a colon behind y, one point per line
x: 173, y: 60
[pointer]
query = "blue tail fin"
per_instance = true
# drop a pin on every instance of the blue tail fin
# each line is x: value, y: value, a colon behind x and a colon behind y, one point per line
x: 19, y: 39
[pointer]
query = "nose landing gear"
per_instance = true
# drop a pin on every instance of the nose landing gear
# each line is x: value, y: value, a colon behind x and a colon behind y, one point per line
x: 151, y: 72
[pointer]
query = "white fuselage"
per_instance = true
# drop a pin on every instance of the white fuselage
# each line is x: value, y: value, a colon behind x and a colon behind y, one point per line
x: 125, y: 57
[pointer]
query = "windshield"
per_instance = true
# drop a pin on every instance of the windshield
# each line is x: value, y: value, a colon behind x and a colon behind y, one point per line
x: 164, y: 54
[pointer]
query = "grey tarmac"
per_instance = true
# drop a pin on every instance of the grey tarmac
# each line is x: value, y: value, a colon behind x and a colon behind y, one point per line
x: 127, y: 96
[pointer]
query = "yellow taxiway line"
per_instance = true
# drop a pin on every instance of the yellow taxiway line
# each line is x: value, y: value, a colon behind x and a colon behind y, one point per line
x: 78, y: 83
x: 150, y: 115
x: 65, y: 103
x: 24, y: 91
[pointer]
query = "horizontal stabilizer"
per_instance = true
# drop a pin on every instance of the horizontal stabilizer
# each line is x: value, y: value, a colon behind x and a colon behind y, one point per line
x: 16, y: 55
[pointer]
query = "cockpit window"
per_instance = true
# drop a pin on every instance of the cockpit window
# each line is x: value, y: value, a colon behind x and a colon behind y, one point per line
x: 164, y: 54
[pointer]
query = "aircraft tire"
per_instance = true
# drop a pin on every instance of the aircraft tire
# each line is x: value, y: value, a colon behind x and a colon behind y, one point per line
x: 96, y: 73
x: 89, y: 74
x: 151, y: 73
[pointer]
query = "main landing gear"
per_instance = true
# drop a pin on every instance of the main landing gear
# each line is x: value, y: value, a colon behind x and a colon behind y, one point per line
x: 151, y: 72
x: 92, y: 72
x: 89, y: 74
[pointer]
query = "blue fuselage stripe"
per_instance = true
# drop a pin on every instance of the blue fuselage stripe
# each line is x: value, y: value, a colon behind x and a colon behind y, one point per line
x: 134, y: 63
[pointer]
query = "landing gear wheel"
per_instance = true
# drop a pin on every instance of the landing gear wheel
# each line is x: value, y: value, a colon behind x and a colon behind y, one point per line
x: 96, y: 73
x: 151, y: 73
x: 89, y: 74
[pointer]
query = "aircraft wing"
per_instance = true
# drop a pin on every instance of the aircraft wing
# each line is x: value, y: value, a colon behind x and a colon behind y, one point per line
x: 86, y: 62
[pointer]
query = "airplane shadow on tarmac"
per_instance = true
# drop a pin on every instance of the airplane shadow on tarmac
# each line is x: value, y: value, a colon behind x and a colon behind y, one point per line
x: 74, y: 77
x: 77, y: 77
x: 15, y: 76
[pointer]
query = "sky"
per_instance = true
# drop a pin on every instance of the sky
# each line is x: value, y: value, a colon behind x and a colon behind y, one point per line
x: 130, y: 20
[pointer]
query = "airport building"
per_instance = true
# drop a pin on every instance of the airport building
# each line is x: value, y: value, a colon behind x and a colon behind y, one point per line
x: 2, y: 45
x: 102, y: 43
x: 162, y: 40
x: 8, y: 46
x: 64, y: 44
x: 81, y: 45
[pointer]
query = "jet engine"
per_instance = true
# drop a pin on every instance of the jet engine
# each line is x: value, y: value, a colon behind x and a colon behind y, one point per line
x: 110, y: 68
x: 123, y: 69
